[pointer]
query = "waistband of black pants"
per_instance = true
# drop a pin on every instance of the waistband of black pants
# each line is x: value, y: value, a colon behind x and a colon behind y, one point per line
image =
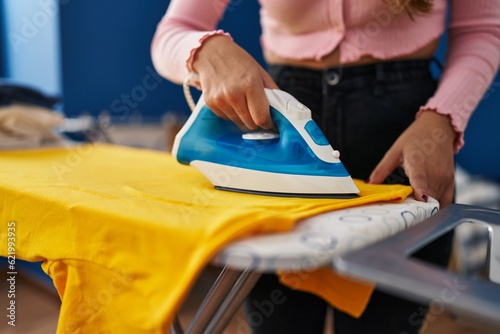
x: 381, y: 71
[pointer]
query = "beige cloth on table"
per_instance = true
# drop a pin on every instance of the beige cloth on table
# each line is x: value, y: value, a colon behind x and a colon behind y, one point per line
x: 25, y: 126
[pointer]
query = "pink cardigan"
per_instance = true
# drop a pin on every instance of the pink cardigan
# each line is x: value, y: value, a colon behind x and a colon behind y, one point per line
x: 311, y: 29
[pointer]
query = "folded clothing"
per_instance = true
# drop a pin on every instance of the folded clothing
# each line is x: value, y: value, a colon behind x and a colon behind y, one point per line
x: 25, y: 125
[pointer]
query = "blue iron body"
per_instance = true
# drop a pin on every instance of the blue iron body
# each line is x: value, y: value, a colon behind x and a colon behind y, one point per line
x: 213, y: 139
x: 299, y: 161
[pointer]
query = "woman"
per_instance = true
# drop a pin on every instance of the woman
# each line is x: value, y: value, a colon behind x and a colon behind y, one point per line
x: 362, y: 67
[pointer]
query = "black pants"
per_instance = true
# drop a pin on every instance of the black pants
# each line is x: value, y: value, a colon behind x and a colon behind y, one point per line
x: 362, y: 110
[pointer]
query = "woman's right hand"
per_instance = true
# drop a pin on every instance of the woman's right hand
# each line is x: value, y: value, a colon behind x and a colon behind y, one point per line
x: 233, y: 83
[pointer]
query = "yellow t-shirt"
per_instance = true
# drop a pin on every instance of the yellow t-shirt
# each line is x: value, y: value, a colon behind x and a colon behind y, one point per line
x: 125, y: 232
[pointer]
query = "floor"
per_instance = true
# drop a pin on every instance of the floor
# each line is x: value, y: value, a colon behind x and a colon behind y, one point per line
x: 37, y: 311
x: 37, y: 308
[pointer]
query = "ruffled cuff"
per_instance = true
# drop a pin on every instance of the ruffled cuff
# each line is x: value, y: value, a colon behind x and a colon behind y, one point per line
x: 192, y: 53
x: 459, y: 139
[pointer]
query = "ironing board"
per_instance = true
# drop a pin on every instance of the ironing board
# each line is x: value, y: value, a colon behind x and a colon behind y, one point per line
x: 65, y: 195
x: 389, y: 263
x: 315, y: 242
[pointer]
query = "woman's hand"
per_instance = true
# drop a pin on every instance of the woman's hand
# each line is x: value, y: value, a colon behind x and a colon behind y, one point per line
x: 425, y: 152
x: 233, y: 83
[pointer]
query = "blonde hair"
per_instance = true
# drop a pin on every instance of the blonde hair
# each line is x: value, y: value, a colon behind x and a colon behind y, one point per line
x: 410, y: 6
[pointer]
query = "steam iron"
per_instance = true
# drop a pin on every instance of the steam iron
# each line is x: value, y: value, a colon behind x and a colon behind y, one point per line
x: 296, y: 162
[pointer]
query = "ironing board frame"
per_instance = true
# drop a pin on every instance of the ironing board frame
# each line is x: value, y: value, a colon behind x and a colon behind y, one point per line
x: 240, y: 273
x: 221, y: 303
x: 389, y: 263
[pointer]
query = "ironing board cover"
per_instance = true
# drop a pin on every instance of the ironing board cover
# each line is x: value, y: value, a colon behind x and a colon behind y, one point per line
x: 125, y: 232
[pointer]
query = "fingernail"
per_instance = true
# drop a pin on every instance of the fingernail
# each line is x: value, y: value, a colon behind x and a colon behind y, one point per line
x: 425, y: 198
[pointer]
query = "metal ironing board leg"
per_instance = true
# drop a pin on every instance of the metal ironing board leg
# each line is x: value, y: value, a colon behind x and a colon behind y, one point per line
x: 221, y: 302
x: 240, y: 290
x: 213, y: 300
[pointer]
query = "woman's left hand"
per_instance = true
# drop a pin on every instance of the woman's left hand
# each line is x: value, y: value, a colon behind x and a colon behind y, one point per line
x: 426, y: 153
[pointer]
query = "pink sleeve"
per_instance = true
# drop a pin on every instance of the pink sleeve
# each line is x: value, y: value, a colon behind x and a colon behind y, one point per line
x: 185, y: 26
x: 472, y: 60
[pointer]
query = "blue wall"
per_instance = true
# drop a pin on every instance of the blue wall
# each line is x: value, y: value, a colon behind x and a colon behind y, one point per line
x: 106, y: 62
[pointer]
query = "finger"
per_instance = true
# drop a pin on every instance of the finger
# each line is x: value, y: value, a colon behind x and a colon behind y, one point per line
x: 390, y: 161
x: 447, y: 196
x: 218, y: 112
x: 268, y: 81
x: 444, y: 194
x: 229, y: 114
x: 258, y: 106
x: 427, y: 183
x: 243, y: 113
x: 221, y: 107
x: 419, y: 183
